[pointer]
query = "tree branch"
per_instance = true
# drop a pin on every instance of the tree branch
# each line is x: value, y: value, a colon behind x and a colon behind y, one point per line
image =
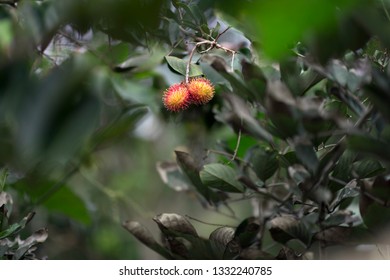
x: 12, y: 3
x: 213, y: 44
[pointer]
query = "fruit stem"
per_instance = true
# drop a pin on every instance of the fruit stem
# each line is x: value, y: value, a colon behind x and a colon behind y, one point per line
x: 213, y: 44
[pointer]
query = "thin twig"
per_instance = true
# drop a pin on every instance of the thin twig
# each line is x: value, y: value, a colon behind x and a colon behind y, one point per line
x: 236, y: 148
x: 80, y: 44
x: 212, y: 44
x: 175, y: 45
x: 222, y: 153
x: 223, y: 32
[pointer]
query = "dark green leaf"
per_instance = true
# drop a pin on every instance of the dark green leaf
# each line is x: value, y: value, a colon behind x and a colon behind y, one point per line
x: 377, y: 217
x: 285, y: 228
x: 368, y: 168
x: 180, y: 66
x: 221, y: 177
x: 289, y: 158
x: 282, y: 109
x: 351, y: 190
x: 241, y: 119
x: 339, y: 72
x: 16, y: 227
x: 66, y: 202
x: 264, y: 162
x: 191, y: 170
x: 248, y: 231
x: 337, y: 218
x: 343, y: 168
x: 374, y: 203
x: 254, y: 78
x: 367, y: 144
x: 124, y: 124
x: 379, y: 92
x: 306, y: 154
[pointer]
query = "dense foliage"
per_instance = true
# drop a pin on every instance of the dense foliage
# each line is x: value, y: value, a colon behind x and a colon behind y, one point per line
x: 297, y: 129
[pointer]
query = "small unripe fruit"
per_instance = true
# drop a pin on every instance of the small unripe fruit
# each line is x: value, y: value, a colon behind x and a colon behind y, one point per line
x: 201, y: 90
x: 176, y: 97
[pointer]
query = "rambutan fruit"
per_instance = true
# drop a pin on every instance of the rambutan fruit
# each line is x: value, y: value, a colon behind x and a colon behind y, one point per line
x: 176, y: 98
x: 201, y: 90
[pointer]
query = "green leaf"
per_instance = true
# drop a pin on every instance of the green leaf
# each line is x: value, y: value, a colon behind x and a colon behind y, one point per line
x: 66, y: 202
x: 343, y: 168
x: 339, y: 72
x: 306, y: 154
x: 285, y: 228
x: 9, y: 231
x: 351, y: 190
x: 241, y: 119
x: 374, y: 203
x: 191, y: 169
x: 134, y: 91
x: 289, y: 158
x: 264, y: 162
x: 16, y: 227
x: 180, y: 66
x: 376, y: 217
x: 368, y: 168
x: 247, y: 232
x: 125, y: 123
x: 367, y: 144
x: 282, y: 109
x: 280, y: 24
x: 6, y: 34
x: 220, y: 177
x: 337, y: 218
x: 379, y: 92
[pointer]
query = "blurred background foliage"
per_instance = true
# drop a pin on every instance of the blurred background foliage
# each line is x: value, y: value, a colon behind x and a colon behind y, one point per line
x: 296, y: 137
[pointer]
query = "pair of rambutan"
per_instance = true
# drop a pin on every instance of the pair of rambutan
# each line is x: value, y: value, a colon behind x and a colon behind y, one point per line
x: 197, y: 91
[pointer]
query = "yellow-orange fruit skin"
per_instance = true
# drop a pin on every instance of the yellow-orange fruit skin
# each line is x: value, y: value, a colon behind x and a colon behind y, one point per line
x: 176, y: 98
x: 201, y: 90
